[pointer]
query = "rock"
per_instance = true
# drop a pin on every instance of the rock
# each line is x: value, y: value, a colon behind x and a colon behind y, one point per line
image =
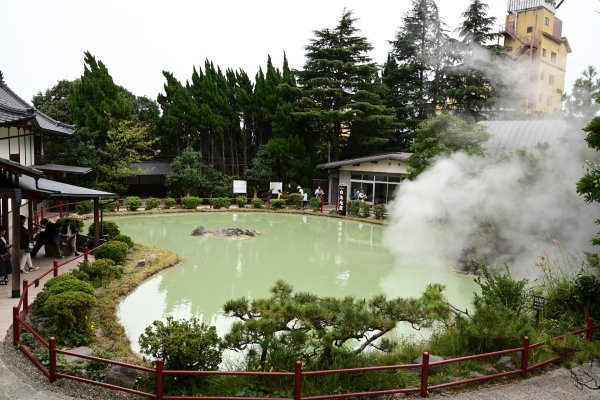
x: 506, y: 363
x: 432, y: 358
x: 141, y: 263
x: 475, y: 374
x: 86, y: 351
x: 199, y: 231
x: 451, y: 379
x: 489, y: 369
x: 122, y: 376
x: 80, y: 373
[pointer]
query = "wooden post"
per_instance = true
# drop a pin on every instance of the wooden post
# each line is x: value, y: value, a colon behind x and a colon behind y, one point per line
x: 15, y: 240
x: 525, y: 357
x: 159, y: 378
x: 25, y: 296
x: 52, y: 359
x: 425, y: 375
x: 298, y: 380
x: 16, y: 327
x: 96, y: 222
x: 85, y: 253
x: 589, y: 333
x: 55, y: 268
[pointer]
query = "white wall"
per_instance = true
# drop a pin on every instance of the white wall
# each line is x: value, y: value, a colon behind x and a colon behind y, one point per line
x: 21, y: 142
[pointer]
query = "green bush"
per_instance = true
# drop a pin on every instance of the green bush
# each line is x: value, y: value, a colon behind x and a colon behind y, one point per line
x: 202, y: 350
x: 587, y: 294
x: 109, y: 228
x: 294, y: 199
x: 110, y: 205
x: 365, y: 209
x: 115, y: 251
x: 354, y: 207
x: 101, y: 271
x: 56, y: 285
x: 220, y: 202
x: 379, y: 210
x: 133, y: 203
x: 277, y: 204
x: 85, y: 207
x: 123, y: 238
x: 256, y: 203
x: 191, y: 202
x: 71, y: 314
x: 151, y: 203
x: 241, y: 201
x: 170, y: 202
x: 314, y: 203
x: 78, y: 222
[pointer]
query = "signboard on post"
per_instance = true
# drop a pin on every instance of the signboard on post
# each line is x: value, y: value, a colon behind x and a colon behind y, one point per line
x: 538, y: 303
x: 342, y: 196
x: 275, y: 187
x: 239, y: 187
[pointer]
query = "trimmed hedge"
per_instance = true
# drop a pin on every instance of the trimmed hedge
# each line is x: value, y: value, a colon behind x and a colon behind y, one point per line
x: 151, y: 203
x: 57, y: 285
x: 108, y: 228
x: 170, y: 202
x: 133, y: 203
x: 191, y: 202
x: 241, y: 201
x: 115, y: 251
x: 220, y: 202
x: 110, y: 205
x: 84, y: 207
x: 100, y: 272
x: 257, y: 203
x: 123, y: 238
x: 277, y: 203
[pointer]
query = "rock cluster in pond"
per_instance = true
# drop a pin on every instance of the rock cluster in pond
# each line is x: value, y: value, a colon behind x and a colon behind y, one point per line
x: 224, y: 232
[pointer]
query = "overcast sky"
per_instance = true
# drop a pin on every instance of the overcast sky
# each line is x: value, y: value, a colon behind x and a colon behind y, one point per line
x: 43, y: 41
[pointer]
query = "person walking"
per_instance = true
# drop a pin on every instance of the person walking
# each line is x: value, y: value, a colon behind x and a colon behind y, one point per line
x: 25, y: 264
x: 5, y: 266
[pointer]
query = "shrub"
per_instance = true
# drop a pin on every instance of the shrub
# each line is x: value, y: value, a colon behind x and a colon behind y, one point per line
x: 294, y: 199
x: 256, y: 203
x: 71, y: 312
x: 115, y: 251
x: 133, y: 203
x: 191, y: 202
x: 170, y: 202
x: 109, y: 228
x: 314, y: 203
x: 241, y: 201
x: 379, y: 210
x: 110, y: 205
x: 354, y: 207
x: 125, y: 239
x: 101, y: 271
x: 85, y: 207
x: 151, y: 203
x: 220, y: 202
x: 587, y: 294
x: 56, y: 285
x: 163, y: 339
x: 277, y: 204
x: 365, y: 209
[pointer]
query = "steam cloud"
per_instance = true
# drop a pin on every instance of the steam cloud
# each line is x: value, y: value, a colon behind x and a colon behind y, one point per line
x: 509, y: 211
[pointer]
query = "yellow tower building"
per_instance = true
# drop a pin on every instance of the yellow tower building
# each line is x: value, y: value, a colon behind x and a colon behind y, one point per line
x: 533, y: 38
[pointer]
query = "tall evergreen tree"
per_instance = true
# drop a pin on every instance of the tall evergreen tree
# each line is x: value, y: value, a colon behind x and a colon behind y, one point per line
x: 581, y: 104
x: 97, y: 102
x: 414, y: 71
x: 56, y: 101
x: 336, y: 71
x: 472, y: 88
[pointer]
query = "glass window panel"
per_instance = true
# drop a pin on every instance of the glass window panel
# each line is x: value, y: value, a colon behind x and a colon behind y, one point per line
x: 367, y: 177
x: 356, y: 176
x: 394, y: 179
x: 391, y: 192
x: 380, y: 178
x: 380, y: 193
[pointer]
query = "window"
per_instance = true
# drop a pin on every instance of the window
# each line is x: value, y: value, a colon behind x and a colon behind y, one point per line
x: 553, y: 58
x: 547, y: 21
x: 542, y: 76
x: 544, y: 53
x: 551, y: 80
x: 529, y: 29
x: 549, y: 100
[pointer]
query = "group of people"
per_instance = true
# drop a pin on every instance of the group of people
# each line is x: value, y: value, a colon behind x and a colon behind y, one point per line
x: 50, y: 235
x: 359, y: 194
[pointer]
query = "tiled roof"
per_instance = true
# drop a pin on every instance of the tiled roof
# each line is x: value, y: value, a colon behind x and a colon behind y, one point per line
x: 509, y: 136
x: 13, y: 109
x: 59, y: 190
x: 63, y: 168
x: 378, y: 157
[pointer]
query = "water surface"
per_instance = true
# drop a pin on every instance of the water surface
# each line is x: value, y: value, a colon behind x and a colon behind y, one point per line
x: 325, y: 256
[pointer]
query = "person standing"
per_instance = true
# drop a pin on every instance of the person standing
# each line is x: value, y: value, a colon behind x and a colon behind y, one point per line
x: 25, y: 264
x: 5, y: 266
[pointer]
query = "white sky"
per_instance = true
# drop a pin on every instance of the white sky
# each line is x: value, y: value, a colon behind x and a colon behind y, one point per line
x: 43, y: 41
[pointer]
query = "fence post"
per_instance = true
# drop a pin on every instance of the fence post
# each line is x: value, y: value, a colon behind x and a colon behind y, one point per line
x: 159, y: 378
x: 589, y: 333
x: 298, y: 380
x: 525, y: 356
x: 25, y: 296
x: 85, y: 253
x: 52, y: 359
x: 16, y: 327
x: 55, y: 268
x: 425, y: 374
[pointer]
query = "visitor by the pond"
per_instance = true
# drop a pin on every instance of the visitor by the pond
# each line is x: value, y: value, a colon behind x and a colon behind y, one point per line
x: 69, y: 233
x: 356, y: 195
x: 318, y: 192
x: 362, y: 195
x: 300, y: 190
x: 25, y: 264
x: 5, y: 267
x: 279, y: 194
x: 304, y: 198
x: 49, y: 236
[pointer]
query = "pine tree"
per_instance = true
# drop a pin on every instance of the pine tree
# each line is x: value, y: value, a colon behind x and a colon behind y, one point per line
x: 414, y: 71
x: 336, y: 71
x: 581, y: 104
x: 97, y: 102
x: 472, y: 88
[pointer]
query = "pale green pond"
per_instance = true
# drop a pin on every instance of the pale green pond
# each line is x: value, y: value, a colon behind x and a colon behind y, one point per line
x: 325, y: 256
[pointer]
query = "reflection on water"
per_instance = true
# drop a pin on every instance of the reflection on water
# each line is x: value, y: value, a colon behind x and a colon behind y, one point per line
x: 325, y: 256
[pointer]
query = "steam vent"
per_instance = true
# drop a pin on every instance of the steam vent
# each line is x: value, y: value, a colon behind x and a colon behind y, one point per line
x: 533, y: 38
